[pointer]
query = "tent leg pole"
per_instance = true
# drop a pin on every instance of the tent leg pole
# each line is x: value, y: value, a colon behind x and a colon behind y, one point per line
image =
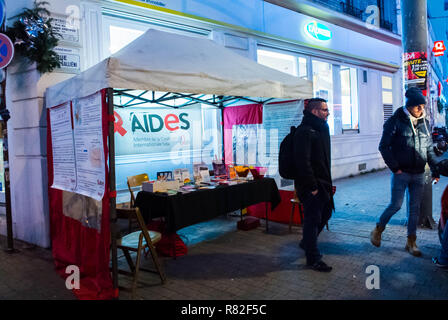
x: 112, y: 188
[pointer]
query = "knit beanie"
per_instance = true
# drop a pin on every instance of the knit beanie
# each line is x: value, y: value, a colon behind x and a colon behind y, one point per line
x: 414, y: 97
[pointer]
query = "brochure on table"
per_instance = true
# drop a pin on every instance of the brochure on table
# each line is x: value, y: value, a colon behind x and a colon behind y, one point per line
x: 78, y: 149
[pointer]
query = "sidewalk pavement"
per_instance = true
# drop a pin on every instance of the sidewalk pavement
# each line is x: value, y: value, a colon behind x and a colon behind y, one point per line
x: 226, y: 263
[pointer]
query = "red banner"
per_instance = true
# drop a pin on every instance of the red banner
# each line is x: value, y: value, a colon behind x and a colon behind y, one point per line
x: 74, y: 244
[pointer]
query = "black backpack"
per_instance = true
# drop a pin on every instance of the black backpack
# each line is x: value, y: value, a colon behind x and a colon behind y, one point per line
x: 286, y: 166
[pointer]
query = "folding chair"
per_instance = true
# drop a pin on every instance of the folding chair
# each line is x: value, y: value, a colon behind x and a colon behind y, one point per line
x: 139, y: 241
x: 134, y: 182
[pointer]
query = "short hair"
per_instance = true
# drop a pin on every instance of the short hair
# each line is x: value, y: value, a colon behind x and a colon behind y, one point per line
x: 314, y: 103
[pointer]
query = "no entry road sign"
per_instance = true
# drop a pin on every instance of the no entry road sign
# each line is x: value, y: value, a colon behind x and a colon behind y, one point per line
x: 6, y: 50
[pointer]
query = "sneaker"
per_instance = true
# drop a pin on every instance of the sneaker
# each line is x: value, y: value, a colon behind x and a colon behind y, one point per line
x: 435, y: 260
x: 320, y: 266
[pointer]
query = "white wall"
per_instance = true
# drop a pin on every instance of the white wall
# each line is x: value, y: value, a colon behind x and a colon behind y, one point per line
x: 27, y: 141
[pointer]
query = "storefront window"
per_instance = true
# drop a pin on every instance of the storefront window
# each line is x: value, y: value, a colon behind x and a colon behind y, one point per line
x: 119, y: 32
x: 387, y: 96
x: 323, y: 86
x: 349, y: 98
x: 279, y: 61
x: 288, y: 63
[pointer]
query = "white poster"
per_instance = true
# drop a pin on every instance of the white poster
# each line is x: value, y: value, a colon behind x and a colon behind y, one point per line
x: 89, y: 147
x: 277, y: 122
x: 64, y: 166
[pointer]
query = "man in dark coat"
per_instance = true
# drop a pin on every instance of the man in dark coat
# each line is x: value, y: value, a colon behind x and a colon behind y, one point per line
x: 313, y: 177
x: 406, y: 147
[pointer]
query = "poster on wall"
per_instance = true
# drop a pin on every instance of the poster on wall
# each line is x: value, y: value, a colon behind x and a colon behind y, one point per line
x: 89, y: 147
x: 64, y: 166
x: 415, y: 69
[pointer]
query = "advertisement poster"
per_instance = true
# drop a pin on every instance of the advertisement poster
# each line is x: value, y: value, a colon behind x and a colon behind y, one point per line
x: 64, y: 166
x: 159, y: 130
x: 89, y: 148
x: 415, y: 69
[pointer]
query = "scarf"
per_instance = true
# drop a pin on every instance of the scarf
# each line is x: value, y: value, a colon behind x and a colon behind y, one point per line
x: 414, y: 120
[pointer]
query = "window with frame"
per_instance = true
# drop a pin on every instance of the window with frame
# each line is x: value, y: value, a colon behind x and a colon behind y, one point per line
x: 387, y: 96
x: 288, y: 63
x: 349, y: 98
x: 323, y: 86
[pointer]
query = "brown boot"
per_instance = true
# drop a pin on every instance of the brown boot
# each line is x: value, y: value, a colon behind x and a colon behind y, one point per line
x: 411, y: 246
x: 375, y: 235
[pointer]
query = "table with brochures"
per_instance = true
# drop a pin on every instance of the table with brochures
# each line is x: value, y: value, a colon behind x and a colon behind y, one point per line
x: 184, y: 209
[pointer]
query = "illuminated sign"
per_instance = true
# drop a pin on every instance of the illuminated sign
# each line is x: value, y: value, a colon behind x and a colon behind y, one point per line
x: 439, y: 48
x: 318, y: 31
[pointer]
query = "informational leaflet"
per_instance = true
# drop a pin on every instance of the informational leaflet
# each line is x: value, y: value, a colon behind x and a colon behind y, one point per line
x: 64, y: 166
x: 89, y: 147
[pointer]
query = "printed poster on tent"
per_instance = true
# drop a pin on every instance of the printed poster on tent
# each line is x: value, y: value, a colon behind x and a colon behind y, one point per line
x: 89, y: 147
x: 64, y: 167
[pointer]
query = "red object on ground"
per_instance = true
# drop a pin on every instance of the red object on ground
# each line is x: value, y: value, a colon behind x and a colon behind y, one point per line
x: 248, y: 223
x: 170, y: 244
x: 75, y: 244
x: 281, y: 213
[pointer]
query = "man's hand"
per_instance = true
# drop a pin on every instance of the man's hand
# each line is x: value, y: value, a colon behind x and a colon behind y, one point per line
x: 399, y: 171
x: 314, y: 192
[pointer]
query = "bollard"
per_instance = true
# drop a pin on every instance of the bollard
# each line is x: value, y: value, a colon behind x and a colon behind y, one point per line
x: 425, y: 218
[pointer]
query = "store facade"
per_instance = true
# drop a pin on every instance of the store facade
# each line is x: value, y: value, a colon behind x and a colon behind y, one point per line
x: 358, y: 74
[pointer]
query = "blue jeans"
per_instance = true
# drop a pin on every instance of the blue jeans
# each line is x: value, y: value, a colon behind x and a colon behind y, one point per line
x: 443, y: 256
x: 415, y: 185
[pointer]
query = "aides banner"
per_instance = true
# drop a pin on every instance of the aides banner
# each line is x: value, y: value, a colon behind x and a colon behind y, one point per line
x: 157, y: 130
x: 415, y: 69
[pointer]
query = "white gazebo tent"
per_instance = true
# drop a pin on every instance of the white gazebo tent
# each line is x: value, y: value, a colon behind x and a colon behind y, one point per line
x: 184, y: 67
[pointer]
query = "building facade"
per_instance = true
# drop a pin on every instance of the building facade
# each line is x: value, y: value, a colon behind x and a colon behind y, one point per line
x: 353, y: 58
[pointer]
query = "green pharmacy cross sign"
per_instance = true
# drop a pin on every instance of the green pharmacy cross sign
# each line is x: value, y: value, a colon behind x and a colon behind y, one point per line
x: 318, y: 31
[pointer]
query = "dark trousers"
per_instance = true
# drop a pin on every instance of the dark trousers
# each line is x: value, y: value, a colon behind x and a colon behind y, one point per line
x: 316, y: 213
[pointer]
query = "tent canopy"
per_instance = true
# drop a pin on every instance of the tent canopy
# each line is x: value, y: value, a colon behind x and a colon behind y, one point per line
x: 168, y: 62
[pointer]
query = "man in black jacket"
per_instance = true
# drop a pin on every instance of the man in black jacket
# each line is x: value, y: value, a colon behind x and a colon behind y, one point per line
x: 313, y: 177
x: 406, y: 147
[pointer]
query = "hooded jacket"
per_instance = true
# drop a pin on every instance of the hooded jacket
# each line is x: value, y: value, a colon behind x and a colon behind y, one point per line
x: 312, y: 157
x: 405, y: 146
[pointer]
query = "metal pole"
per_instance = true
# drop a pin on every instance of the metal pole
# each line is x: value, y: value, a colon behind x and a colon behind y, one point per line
x: 5, y: 117
x: 112, y: 189
x: 4, y: 112
x: 415, y: 39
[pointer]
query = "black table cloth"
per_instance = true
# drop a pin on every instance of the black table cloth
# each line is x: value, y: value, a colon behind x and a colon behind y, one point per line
x: 185, y: 209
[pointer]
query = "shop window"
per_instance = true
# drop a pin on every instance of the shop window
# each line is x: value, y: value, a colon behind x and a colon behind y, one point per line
x: 279, y: 61
x: 323, y: 86
x: 349, y: 98
x: 288, y: 63
x: 387, y: 96
x: 119, y: 32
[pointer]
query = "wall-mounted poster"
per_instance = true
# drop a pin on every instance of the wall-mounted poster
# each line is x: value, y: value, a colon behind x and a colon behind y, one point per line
x: 415, y: 69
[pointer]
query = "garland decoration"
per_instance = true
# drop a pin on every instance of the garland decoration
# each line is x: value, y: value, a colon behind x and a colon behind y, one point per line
x: 34, y: 37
